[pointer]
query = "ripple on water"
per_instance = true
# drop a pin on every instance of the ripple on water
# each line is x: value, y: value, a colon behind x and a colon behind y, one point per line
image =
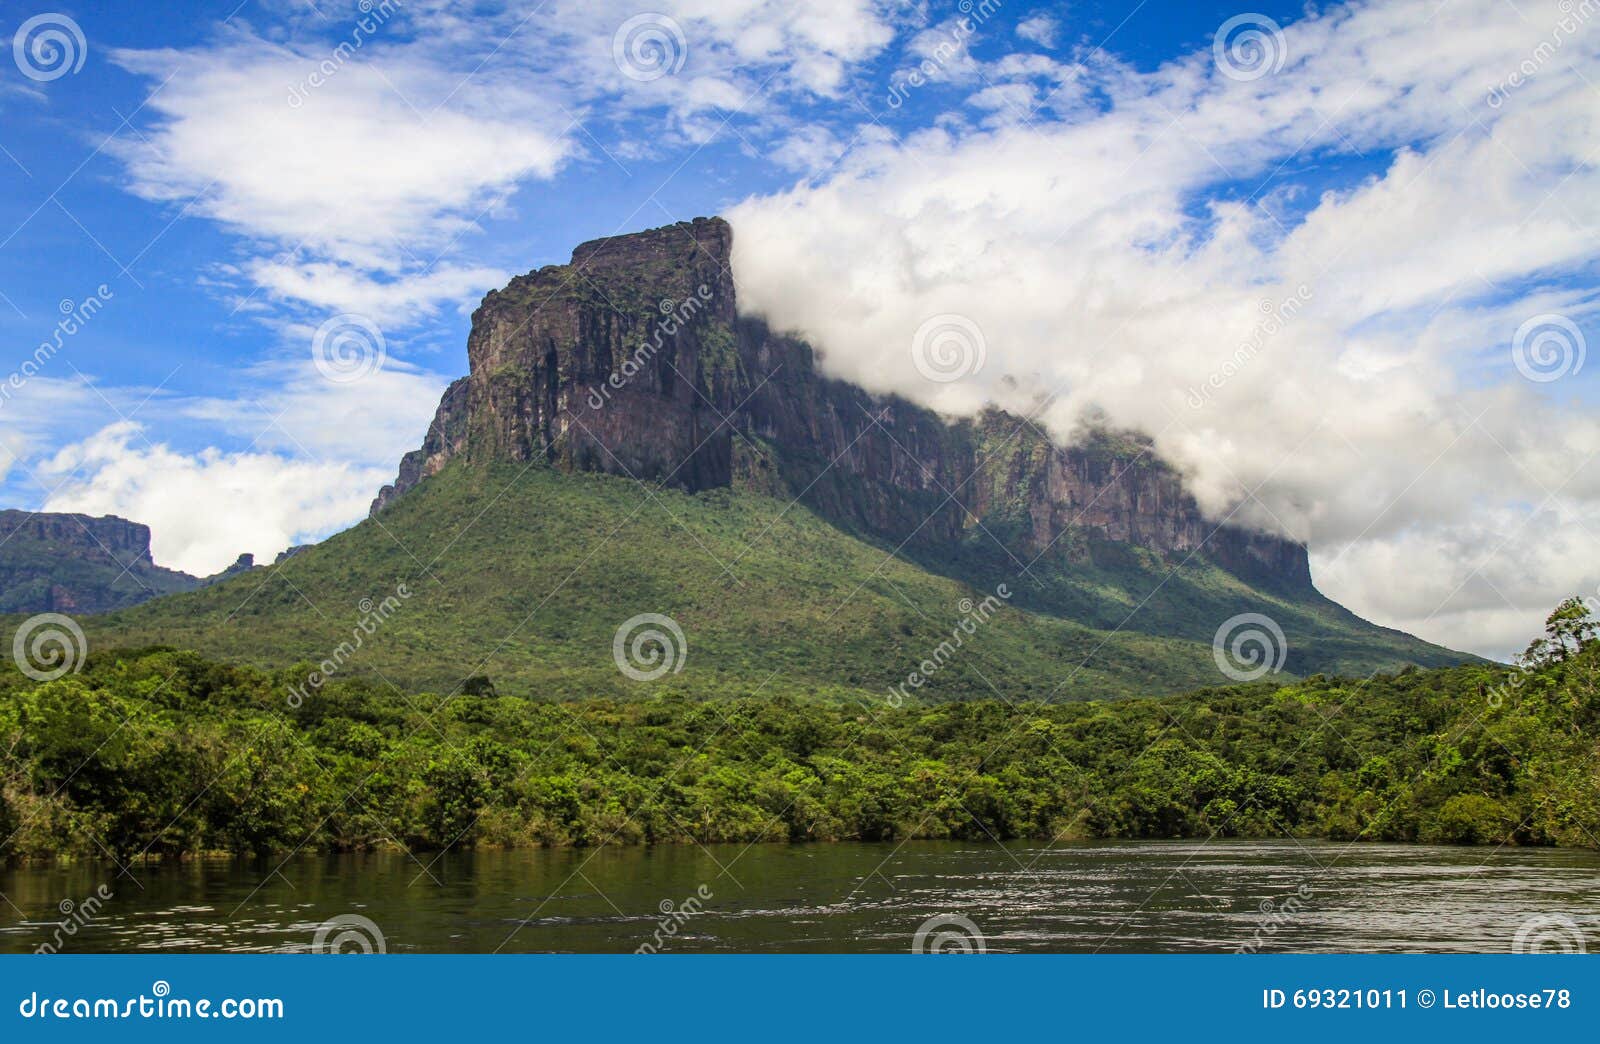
x: 1081, y: 897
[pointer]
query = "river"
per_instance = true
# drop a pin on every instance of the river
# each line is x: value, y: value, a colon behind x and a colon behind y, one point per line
x: 1107, y: 897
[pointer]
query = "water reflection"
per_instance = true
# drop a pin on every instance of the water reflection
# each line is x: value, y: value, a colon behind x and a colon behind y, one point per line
x: 1107, y: 897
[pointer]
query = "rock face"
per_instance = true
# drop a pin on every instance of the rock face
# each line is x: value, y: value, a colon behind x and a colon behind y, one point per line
x: 78, y: 564
x: 622, y: 361
x: 52, y: 562
x: 633, y: 359
x: 125, y: 542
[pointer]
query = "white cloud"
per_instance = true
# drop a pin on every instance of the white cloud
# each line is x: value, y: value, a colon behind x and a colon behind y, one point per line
x: 314, y: 452
x: 808, y: 149
x: 806, y: 44
x: 1041, y: 29
x: 44, y: 409
x: 386, y: 162
x: 1016, y: 101
x: 332, y: 287
x: 1482, y: 583
x: 386, y: 152
x: 372, y: 421
x: 1110, y: 260
x: 356, y: 159
x: 204, y: 509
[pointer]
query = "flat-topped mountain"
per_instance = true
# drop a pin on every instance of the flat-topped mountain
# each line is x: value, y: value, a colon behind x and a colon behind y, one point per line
x: 627, y: 445
x: 53, y: 562
x: 633, y: 360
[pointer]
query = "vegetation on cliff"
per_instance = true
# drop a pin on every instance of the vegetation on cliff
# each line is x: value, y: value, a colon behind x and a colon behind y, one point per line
x: 525, y: 574
x: 53, y: 562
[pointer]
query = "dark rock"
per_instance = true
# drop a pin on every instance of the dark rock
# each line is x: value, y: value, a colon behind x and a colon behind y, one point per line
x: 243, y: 564
x: 54, y: 562
x: 116, y: 538
x: 633, y: 360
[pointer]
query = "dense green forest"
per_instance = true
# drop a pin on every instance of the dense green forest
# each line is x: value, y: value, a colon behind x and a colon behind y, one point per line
x: 158, y: 752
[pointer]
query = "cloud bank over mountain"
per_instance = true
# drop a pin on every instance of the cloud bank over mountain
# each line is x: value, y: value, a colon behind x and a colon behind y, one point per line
x: 1385, y: 368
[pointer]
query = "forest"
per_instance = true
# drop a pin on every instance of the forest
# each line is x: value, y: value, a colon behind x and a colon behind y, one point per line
x: 161, y: 753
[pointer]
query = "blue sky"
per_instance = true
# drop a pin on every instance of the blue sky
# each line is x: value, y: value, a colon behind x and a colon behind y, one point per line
x: 1119, y: 202
x: 169, y: 317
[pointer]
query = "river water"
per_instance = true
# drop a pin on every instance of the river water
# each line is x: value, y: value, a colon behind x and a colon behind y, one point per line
x: 1079, y: 898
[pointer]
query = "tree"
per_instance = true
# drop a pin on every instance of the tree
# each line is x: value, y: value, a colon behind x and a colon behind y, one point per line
x: 1566, y: 630
x: 478, y: 685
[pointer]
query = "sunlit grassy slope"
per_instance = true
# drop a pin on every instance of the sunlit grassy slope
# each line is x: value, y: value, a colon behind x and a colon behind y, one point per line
x: 524, y: 575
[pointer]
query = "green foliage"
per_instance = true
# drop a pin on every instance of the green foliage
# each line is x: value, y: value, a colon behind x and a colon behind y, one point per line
x: 36, y: 573
x: 161, y: 752
x: 1566, y: 630
x: 523, y: 574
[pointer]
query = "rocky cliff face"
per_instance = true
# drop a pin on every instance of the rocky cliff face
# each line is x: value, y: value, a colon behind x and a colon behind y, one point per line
x: 633, y: 360
x: 623, y: 361
x: 55, y: 562
x: 117, y: 539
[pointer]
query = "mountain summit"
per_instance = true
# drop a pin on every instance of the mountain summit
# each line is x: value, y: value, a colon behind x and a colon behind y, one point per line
x: 633, y: 360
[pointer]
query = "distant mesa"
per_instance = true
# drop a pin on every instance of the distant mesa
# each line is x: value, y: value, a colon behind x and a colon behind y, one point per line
x: 70, y: 563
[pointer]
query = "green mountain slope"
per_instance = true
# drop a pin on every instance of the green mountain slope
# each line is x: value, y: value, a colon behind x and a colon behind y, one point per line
x: 525, y: 574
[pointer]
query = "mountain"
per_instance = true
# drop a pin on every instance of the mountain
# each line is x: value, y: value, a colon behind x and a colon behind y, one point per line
x: 52, y: 562
x: 633, y: 360
x: 626, y: 443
